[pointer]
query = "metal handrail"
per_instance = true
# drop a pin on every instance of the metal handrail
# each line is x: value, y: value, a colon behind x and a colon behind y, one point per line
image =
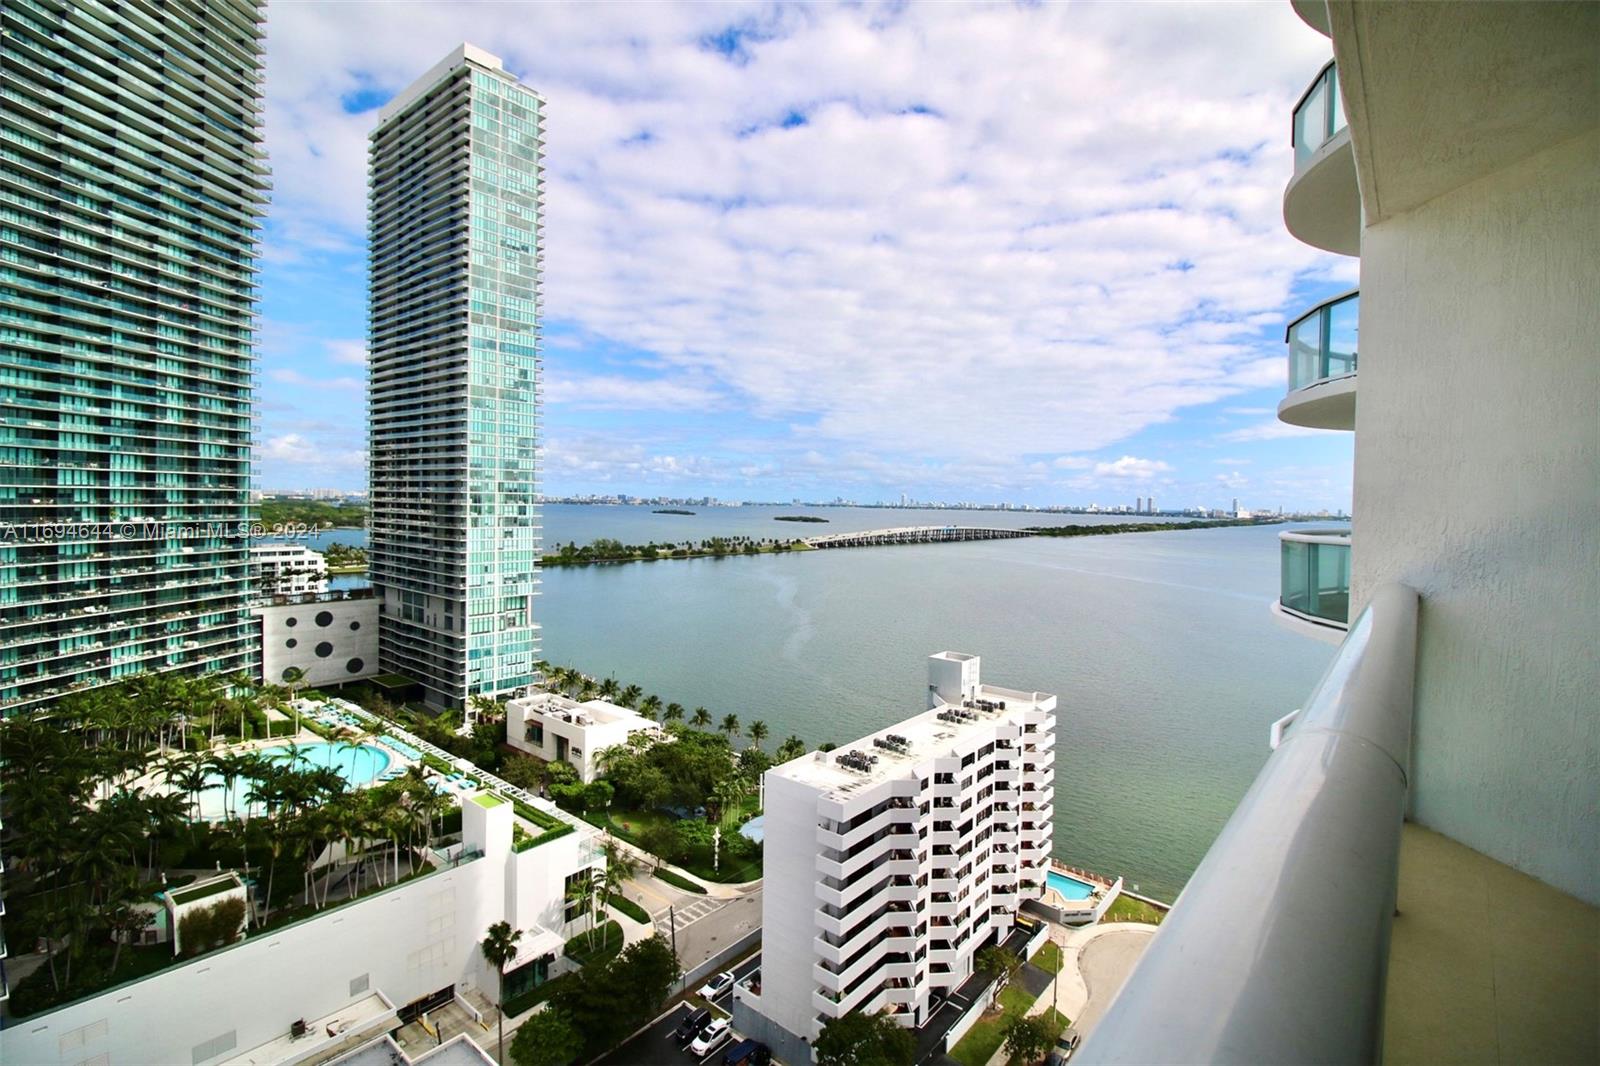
x: 1277, y: 951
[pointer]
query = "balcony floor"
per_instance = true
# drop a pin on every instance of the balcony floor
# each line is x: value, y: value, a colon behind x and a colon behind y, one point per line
x: 1487, y: 964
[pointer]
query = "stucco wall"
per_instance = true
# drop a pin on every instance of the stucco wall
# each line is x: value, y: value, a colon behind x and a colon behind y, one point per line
x: 1477, y: 482
x: 333, y: 641
x: 406, y: 942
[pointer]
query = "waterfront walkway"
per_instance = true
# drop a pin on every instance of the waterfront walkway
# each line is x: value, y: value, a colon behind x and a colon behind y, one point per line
x: 870, y: 538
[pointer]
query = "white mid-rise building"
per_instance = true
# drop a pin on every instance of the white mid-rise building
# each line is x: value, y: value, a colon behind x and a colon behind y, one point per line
x: 278, y: 569
x: 902, y: 854
x: 558, y: 728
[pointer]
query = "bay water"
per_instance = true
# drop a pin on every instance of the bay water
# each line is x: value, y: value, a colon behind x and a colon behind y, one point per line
x: 1168, y: 665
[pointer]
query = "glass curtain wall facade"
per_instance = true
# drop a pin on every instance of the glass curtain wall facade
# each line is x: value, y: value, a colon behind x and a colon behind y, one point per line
x: 132, y: 187
x: 455, y: 215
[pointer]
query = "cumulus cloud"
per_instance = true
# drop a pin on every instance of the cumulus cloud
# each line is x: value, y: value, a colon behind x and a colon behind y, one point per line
x: 1131, y: 467
x: 611, y: 392
x: 944, y: 237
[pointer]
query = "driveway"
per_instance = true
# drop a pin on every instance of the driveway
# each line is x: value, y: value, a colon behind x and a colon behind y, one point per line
x: 1105, y: 963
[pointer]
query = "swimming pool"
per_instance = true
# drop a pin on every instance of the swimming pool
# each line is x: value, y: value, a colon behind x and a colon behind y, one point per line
x: 359, y: 764
x: 1069, y: 887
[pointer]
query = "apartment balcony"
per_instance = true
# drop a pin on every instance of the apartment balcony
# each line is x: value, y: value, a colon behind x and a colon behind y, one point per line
x: 1322, y: 204
x: 1313, y: 13
x: 1315, y: 596
x: 1322, y: 365
x: 1323, y: 927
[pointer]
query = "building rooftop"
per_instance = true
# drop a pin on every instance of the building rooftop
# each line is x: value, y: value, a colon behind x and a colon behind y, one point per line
x: 891, y: 752
x: 592, y: 712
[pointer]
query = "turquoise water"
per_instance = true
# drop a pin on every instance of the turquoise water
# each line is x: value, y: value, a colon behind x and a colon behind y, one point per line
x: 360, y: 765
x: 1160, y: 646
x: 1069, y: 887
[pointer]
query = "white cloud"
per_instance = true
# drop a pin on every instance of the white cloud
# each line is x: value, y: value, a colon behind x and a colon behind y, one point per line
x: 607, y: 392
x: 1130, y: 467
x: 290, y: 376
x: 1235, y: 480
x: 1273, y: 430
x: 346, y: 352
x: 999, y: 230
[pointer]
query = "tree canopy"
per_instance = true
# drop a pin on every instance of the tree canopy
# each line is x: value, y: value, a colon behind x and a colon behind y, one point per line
x: 865, y: 1040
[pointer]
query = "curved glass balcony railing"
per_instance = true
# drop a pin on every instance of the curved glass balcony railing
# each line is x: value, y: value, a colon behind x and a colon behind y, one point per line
x: 1322, y: 342
x: 1316, y: 576
x: 1322, y: 365
x: 1318, y: 116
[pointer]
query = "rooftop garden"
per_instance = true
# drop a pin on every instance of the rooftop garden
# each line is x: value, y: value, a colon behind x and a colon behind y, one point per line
x: 102, y: 800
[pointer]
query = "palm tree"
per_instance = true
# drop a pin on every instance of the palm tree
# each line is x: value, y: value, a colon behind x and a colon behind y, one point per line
x: 188, y: 772
x: 629, y: 697
x: 730, y: 725
x: 293, y: 678
x: 791, y: 748
x: 499, y: 948
x: 701, y: 718
x: 673, y: 713
x: 608, y: 688
x: 650, y: 706
x: 758, y: 733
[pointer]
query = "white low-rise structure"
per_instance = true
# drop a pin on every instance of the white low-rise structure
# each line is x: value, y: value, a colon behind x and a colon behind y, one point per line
x: 308, y: 989
x: 280, y: 569
x: 903, y: 854
x: 558, y: 728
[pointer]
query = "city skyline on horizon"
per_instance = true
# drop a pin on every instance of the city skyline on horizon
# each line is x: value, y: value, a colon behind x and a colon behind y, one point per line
x: 773, y: 276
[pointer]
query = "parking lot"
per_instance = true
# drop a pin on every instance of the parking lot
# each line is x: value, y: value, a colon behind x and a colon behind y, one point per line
x: 656, y: 1044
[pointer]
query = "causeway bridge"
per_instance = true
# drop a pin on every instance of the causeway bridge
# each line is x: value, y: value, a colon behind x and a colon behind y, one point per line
x: 870, y: 538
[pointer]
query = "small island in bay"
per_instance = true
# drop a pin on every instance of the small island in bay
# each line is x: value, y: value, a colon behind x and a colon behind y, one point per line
x: 671, y: 510
x: 797, y: 518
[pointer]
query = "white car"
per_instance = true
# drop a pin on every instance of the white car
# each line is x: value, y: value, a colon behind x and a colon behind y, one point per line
x: 709, y: 1037
x: 717, y: 985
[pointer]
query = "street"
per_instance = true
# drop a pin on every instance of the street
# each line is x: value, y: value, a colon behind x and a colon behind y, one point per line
x: 656, y: 1047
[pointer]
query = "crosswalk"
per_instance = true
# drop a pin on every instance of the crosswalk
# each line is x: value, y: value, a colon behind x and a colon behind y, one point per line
x: 683, y: 917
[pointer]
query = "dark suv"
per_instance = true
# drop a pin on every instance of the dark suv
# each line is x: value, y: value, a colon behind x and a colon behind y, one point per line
x: 690, y: 1027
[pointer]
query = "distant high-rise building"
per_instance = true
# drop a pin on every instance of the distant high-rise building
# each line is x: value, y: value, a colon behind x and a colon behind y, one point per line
x: 455, y: 218
x: 134, y: 183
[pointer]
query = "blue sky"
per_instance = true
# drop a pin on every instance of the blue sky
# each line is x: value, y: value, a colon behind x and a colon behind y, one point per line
x: 1029, y: 253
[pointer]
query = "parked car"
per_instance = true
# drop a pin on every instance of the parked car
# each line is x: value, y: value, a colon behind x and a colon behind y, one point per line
x: 717, y: 985
x: 712, y: 1035
x: 747, y: 1053
x: 1066, y: 1044
x: 691, y: 1025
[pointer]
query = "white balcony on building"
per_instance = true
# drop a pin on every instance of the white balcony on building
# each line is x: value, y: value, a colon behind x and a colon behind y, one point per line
x: 1322, y: 203
x: 1322, y: 365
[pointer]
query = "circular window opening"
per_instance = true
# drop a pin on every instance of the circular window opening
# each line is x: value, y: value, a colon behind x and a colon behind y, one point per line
x: 354, y: 666
x: 324, y: 650
x: 288, y: 671
x: 291, y: 643
x: 291, y: 621
x: 324, y: 618
x: 355, y: 625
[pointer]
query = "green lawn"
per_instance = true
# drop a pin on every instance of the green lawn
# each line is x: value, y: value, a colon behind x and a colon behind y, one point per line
x: 989, y: 1032
x: 628, y: 824
x: 1132, y: 910
x: 1048, y: 958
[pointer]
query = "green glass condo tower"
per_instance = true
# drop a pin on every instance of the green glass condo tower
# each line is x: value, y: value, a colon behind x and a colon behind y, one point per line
x: 132, y: 186
x: 454, y: 214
